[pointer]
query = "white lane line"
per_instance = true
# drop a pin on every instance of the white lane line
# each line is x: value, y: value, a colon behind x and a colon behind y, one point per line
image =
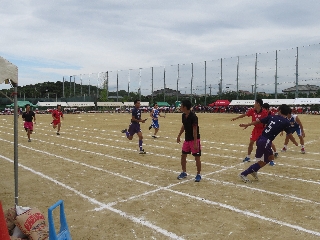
x: 154, y: 227
x: 94, y: 201
x: 119, y: 175
x: 247, y: 213
x: 161, y: 169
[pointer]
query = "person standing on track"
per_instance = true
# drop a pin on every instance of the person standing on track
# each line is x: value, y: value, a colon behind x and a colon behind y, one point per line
x: 256, y: 113
x: 266, y: 106
x: 274, y: 124
x: 191, y: 142
x: 27, y: 117
x: 296, y: 126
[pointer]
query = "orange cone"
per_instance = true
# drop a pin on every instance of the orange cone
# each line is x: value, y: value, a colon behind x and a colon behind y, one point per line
x: 4, y: 235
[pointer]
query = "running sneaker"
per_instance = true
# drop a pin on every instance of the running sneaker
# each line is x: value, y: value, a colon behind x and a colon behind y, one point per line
x: 247, y: 159
x: 275, y: 154
x: 142, y: 152
x: 154, y: 136
x: 124, y: 130
x: 303, y: 151
x: 244, y: 178
x: 272, y: 163
x: 255, y: 176
x: 284, y: 149
x: 197, y: 178
x: 58, y: 133
x: 182, y: 175
x: 29, y: 140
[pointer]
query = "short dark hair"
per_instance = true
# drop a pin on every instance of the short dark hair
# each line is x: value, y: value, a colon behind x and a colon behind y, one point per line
x: 186, y: 103
x: 266, y: 106
x: 59, y: 105
x: 27, y: 105
x: 135, y: 101
x: 155, y: 104
x: 259, y: 100
x: 284, y: 109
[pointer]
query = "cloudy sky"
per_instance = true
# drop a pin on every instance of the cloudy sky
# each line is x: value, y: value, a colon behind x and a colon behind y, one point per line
x: 55, y: 38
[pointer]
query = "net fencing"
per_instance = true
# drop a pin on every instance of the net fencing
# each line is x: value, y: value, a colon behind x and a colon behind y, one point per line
x: 270, y: 72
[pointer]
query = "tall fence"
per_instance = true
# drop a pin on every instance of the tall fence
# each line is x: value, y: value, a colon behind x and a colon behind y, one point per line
x: 269, y: 72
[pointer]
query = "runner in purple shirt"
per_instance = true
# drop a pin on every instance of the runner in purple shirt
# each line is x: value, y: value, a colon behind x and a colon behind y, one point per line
x: 134, y: 127
x: 274, y: 124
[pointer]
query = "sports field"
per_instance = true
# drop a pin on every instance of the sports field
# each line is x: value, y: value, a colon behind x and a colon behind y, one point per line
x: 112, y: 192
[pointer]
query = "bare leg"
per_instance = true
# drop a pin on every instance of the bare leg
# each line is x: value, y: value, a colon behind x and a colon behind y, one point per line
x: 301, y: 141
x: 184, y: 162
x: 156, y: 131
x: 250, y: 147
x: 293, y: 140
x: 198, y: 164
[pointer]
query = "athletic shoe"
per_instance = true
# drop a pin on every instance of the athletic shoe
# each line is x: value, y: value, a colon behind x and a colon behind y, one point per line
x: 197, y: 178
x: 124, y: 130
x: 255, y: 176
x: 154, y: 136
x: 283, y: 149
x: 142, y: 152
x: 150, y: 127
x: 247, y: 159
x: 58, y: 133
x: 183, y: 175
x: 29, y: 140
x: 302, y: 150
x: 244, y: 178
x: 275, y: 154
x: 272, y: 163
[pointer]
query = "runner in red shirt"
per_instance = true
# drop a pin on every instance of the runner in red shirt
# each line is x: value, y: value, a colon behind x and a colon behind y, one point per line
x: 56, y: 114
x: 256, y: 113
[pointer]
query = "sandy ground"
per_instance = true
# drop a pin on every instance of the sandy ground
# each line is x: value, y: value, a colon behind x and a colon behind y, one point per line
x: 112, y: 192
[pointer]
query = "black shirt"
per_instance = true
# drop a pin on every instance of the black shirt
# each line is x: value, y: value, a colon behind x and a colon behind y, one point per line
x: 28, y: 116
x: 188, y: 123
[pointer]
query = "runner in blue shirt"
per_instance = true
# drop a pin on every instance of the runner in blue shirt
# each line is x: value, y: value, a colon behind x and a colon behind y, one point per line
x: 155, y: 114
x: 296, y: 126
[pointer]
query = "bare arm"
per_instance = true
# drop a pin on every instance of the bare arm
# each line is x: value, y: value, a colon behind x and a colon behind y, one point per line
x: 180, y: 133
x: 195, y: 134
x: 240, y: 116
x: 245, y: 125
x: 133, y: 119
x: 301, y: 126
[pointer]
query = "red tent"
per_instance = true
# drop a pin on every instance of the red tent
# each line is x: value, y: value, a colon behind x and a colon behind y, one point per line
x: 218, y: 103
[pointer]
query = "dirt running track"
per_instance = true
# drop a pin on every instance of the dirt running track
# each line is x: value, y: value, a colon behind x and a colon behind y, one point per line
x: 112, y: 192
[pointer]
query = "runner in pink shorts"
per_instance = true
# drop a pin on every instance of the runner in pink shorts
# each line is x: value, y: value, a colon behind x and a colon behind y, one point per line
x: 191, y: 143
x: 27, y: 117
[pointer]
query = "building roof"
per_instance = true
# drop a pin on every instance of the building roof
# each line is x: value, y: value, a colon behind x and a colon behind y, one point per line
x: 302, y: 88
